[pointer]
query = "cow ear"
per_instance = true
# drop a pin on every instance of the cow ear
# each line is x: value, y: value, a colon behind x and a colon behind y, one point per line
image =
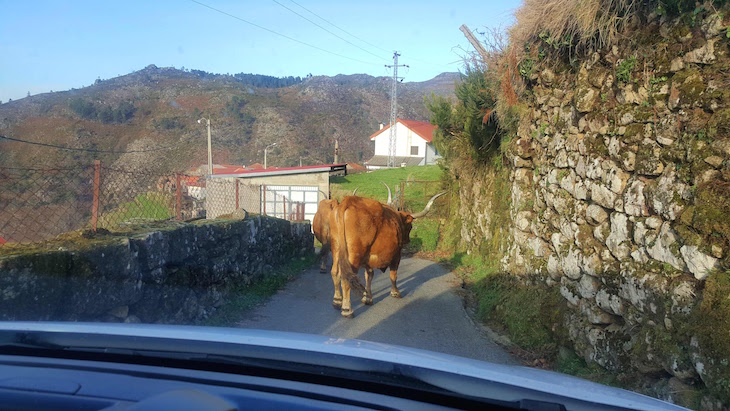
x: 408, y: 218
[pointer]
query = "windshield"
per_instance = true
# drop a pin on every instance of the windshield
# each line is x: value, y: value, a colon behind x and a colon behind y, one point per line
x: 536, y: 183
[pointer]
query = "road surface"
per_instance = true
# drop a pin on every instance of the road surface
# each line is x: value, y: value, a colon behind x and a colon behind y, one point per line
x: 430, y: 315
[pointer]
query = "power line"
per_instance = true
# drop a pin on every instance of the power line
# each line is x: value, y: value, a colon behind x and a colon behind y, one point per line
x: 89, y: 150
x: 354, y: 36
x: 343, y: 39
x: 339, y: 28
x: 281, y: 35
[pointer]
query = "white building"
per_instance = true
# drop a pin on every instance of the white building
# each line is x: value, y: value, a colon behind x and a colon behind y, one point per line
x: 413, y: 145
x: 273, y: 191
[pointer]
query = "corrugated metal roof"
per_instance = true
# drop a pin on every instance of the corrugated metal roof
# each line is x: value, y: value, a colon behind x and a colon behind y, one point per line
x: 285, y: 171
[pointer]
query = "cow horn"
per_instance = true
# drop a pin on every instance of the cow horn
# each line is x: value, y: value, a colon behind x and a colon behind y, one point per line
x: 428, y: 206
x: 355, y: 190
x: 390, y: 197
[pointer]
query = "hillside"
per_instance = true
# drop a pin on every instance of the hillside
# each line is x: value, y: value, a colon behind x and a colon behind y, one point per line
x: 159, y: 108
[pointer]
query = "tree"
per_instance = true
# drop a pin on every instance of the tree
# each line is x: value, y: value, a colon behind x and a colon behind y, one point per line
x: 85, y: 109
x: 470, y: 121
x: 124, y: 111
x: 106, y: 114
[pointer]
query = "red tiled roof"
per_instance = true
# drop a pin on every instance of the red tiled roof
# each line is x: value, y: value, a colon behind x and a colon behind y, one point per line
x: 256, y: 166
x: 227, y: 169
x: 424, y: 129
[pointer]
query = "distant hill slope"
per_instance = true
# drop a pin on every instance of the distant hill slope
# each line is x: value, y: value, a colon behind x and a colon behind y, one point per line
x: 159, y: 108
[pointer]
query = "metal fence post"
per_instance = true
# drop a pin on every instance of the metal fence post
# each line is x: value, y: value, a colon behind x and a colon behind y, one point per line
x: 237, y: 194
x: 264, y: 188
x: 178, y: 197
x: 95, y: 204
x: 402, y: 196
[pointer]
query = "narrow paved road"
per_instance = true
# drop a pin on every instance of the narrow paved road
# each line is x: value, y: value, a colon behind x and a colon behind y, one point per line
x: 430, y: 315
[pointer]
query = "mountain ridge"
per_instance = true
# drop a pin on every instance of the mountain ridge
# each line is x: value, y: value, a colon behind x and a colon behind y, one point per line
x: 159, y: 107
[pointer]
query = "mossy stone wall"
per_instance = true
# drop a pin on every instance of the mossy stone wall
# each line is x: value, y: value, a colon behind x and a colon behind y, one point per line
x: 177, y: 275
x: 620, y: 200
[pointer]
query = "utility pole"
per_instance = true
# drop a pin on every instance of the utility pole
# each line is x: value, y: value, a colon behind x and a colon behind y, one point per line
x: 393, y: 108
x: 474, y: 42
x: 337, y: 149
x: 210, y: 152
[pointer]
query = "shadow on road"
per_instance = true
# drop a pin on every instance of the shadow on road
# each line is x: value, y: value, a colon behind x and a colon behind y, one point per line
x: 429, y: 315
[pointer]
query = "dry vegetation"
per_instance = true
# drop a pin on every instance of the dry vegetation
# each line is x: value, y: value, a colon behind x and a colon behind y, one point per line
x: 555, y: 33
x: 571, y: 26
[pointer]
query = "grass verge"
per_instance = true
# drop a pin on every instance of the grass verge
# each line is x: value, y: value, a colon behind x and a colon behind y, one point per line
x: 245, y: 297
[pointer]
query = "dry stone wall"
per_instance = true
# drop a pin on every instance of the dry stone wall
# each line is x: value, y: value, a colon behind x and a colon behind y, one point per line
x: 178, y: 275
x: 620, y: 182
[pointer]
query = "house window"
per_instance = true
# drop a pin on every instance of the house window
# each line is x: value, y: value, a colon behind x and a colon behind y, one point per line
x: 414, y: 150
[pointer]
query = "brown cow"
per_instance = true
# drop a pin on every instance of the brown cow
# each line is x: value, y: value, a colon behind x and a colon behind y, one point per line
x: 367, y: 233
x: 321, y: 228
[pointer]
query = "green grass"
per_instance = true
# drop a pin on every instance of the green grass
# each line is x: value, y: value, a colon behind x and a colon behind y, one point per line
x: 369, y: 184
x: 426, y: 231
x: 148, y: 206
x: 424, y: 235
x: 245, y: 297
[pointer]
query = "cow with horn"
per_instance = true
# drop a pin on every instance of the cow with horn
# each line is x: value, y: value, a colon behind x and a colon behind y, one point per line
x: 367, y: 233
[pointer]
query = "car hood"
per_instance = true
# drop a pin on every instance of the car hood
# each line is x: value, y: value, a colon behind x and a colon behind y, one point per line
x: 475, y: 378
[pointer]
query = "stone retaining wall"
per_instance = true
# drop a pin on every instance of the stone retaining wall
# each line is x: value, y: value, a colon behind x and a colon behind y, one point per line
x: 620, y: 198
x: 175, y: 275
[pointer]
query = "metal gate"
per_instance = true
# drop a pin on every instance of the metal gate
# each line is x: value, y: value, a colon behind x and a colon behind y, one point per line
x: 278, y: 201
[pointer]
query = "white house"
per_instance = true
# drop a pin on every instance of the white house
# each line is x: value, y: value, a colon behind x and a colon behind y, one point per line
x: 413, y: 145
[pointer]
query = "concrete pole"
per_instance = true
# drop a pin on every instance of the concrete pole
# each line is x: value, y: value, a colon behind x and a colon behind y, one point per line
x: 337, y: 149
x: 210, y: 152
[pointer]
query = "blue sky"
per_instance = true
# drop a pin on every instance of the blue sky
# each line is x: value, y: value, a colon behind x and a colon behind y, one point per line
x: 57, y: 45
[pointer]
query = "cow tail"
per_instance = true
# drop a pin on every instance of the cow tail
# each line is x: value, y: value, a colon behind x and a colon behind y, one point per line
x: 344, y: 266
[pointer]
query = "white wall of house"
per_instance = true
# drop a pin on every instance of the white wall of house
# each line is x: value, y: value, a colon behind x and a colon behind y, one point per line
x: 405, y: 139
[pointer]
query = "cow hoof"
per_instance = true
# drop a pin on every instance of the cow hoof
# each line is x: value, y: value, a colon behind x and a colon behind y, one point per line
x: 367, y: 301
x: 347, y: 313
x: 323, y: 270
x: 337, y: 303
x: 395, y: 294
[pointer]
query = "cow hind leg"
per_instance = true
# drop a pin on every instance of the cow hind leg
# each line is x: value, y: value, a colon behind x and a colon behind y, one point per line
x: 367, y: 295
x: 337, y: 299
x: 346, y: 305
x: 323, y: 259
x: 394, y: 288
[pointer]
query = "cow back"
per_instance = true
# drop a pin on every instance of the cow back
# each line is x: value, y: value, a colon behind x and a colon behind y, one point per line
x: 373, y: 233
x: 321, y: 222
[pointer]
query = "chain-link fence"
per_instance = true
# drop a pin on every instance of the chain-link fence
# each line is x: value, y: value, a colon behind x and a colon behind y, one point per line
x: 226, y: 195
x: 123, y: 197
x: 39, y: 204
x: 36, y: 204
